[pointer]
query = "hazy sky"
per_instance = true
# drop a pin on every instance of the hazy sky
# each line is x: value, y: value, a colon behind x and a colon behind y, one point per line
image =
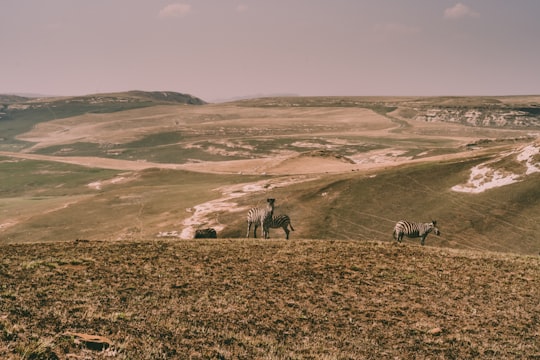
x: 219, y: 49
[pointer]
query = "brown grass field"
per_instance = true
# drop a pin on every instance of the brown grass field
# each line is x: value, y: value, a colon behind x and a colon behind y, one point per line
x: 257, y: 299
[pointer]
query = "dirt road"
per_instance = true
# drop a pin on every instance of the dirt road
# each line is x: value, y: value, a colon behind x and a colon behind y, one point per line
x: 278, y: 165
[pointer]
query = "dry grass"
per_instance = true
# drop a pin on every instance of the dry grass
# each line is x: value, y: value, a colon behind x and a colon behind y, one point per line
x: 240, y: 299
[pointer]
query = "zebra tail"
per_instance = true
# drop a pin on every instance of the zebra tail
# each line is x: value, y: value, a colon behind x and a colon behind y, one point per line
x: 291, y: 226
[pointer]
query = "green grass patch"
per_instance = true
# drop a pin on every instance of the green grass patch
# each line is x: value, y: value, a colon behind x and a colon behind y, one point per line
x: 20, y: 121
x: 41, y: 179
x: 366, y: 207
x: 153, y: 200
x: 160, y: 139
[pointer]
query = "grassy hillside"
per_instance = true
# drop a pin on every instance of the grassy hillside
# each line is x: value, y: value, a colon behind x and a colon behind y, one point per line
x: 238, y: 299
x: 366, y: 207
x: 44, y: 201
x: 48, y: 201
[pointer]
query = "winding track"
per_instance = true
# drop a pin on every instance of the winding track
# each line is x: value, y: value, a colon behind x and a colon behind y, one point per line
x: 282, y: 165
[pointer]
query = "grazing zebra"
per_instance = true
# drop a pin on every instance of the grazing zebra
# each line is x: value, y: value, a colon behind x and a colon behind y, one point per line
x: 414, y: 230
x: 261, y: 217
x: 282, y: 221
x: 208, y: 233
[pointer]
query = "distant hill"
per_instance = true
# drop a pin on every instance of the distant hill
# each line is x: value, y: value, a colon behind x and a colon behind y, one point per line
x: 19, y: 114
x: 254, y: 96
x: 510, y: 112
x: 167, y: 96
x: 137, y: 96
x: 123, y: 97
x: 12, y: 99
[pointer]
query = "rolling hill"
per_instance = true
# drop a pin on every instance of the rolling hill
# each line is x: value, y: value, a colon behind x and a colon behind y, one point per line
x: 342, y: 168
x: 100, y: 197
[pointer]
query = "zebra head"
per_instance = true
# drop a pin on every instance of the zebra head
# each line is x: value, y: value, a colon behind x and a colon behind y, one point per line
x: 270, y: 206
x: 435, y: 228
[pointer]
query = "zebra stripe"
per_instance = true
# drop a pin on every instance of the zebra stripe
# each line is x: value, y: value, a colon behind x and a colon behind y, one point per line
x: 208, y: 233
x: 414, y: 230
x: 282, y: 221
x: 260, y: 217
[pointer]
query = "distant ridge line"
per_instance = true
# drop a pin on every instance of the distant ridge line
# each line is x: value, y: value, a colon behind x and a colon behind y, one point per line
x: 166, y: 96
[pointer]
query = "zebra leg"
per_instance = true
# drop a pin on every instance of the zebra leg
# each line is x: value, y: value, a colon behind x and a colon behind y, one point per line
x: 422, y: 241
x: 286, y: 232
x: 255, y: 226
x: 249, y: 229
x: 400, y: 237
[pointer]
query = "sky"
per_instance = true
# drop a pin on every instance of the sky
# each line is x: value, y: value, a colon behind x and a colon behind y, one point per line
x: 224, y: 49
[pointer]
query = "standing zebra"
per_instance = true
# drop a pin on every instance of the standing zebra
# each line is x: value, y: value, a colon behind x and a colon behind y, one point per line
x: 414, y: 230
x: 282, y: 221
x: 261, y: 217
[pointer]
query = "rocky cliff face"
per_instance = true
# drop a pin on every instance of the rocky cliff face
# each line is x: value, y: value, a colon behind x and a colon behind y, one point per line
x: 494, y: 117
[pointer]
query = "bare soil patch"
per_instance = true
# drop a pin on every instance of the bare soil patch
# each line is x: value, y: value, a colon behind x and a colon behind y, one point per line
x: 97, y: 162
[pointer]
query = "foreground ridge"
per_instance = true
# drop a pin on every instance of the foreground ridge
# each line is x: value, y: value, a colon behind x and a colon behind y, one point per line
x: 259, y: 298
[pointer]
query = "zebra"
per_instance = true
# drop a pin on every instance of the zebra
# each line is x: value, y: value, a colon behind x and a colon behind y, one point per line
x: 208, y: 233
x: 282, y: 221
x: 414, y: 230
x: 260, y: 217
